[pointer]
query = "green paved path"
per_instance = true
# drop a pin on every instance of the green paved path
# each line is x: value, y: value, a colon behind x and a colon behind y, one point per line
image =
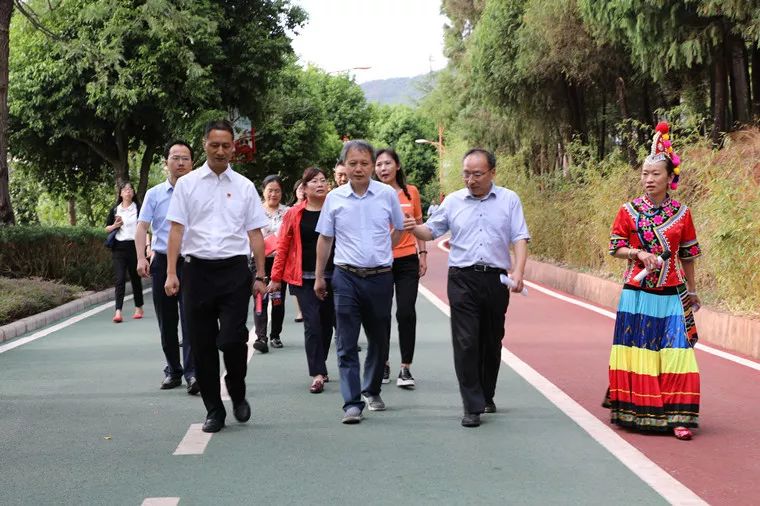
x: 82, y: 421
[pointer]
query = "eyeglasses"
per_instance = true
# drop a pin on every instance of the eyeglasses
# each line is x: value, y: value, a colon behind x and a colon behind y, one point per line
x: 472, y: 175
x: 179, y: 158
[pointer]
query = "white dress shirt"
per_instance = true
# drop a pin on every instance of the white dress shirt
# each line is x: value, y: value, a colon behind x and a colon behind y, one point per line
x: 362, y: 225
x: 128, y: 228
x: 481, y: 228
x: 217, y: 213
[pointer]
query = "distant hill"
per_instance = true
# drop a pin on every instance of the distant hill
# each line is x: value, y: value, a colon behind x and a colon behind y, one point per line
x: 397, y: 90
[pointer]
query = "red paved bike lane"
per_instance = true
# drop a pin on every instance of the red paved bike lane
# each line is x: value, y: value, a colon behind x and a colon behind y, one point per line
x: 570, y: 345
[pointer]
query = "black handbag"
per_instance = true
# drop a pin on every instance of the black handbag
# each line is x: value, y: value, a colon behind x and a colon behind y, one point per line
x: 110, y: 241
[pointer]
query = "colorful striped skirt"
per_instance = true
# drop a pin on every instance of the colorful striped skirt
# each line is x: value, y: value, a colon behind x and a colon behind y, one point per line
x: 654, y: 379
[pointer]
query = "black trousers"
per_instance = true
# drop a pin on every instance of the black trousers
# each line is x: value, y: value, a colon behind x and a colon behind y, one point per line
x: 318, y: 323
x: 278, y: 312
x: 124, y: 258
x: 478, y: 304
x: 170, y: 314
x: 216, y: 295
x: 406, y: 278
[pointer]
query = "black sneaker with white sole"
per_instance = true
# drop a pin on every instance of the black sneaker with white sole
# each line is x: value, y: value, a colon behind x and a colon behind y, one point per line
x: 405, y: 379
x: 386, y: 374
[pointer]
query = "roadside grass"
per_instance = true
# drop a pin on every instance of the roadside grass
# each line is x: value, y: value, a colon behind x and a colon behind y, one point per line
x: 24, y: 297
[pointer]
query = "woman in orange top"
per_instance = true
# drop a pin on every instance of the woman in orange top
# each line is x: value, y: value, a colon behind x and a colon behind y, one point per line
x: 409, y: 264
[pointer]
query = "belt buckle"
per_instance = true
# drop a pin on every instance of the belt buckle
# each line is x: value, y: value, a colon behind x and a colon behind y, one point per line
x: 480, y: 268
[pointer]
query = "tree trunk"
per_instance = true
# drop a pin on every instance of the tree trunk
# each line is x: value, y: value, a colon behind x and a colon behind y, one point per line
x: 147, y: 161
x: 603, y: 127
x: 6, y: 209
x: 73, y: 211
x: 756, y: 80
x: 719, y: 98
x: 740, y: 93
x: 629, y: 133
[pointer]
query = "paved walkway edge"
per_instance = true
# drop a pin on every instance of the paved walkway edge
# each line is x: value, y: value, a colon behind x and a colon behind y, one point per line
x: 734, y: 333
x: 51, y: 316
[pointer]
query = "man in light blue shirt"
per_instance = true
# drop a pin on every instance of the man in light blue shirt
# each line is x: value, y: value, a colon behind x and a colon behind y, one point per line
x: 358, y: 217
x: 178, y: 157
x: 484, y: 220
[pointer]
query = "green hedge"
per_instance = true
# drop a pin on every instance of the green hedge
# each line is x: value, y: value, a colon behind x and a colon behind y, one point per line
x: 73, y: 255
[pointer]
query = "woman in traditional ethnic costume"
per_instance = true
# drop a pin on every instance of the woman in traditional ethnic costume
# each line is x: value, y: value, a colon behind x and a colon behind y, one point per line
x: 654, y: 379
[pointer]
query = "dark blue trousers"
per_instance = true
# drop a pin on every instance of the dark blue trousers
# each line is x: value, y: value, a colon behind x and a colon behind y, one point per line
x: 318, y: 322
x: 169, y: 313
x: 361, y: 302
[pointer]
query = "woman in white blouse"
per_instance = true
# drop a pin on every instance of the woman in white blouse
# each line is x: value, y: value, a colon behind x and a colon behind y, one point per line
x: 123, y: 218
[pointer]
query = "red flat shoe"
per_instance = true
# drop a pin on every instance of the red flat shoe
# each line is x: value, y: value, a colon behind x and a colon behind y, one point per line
x: 117, y: 319
x: 317, y: 387
x: 682, y: 433
x: 137, y: 316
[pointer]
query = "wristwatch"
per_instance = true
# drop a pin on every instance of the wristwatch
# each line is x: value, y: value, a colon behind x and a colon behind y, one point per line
x: 259, y: 278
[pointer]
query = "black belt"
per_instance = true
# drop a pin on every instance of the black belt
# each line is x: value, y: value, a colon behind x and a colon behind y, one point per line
x: 216, y: 261
x: 363, y: 272
x: 479, y: 268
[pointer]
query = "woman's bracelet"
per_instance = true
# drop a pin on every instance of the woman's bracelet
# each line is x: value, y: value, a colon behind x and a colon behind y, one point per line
x: 692, y: 293
x: 423, y: 252
x: 632, y: 252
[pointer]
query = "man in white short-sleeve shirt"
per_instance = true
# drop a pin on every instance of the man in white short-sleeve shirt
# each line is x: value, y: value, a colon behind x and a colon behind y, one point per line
x: 216, y: 217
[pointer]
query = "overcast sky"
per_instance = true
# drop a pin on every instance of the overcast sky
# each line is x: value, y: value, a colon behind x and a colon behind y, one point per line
x: 396, y: 38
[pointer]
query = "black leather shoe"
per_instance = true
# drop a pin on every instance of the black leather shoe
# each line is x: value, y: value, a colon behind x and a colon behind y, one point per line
x: 242, y: 411
x: 260, y: 345
x: 490, y: 407
x: 170, y: 383
x: 471, y: 420
x: 193, y: 388
x: 213, y: 424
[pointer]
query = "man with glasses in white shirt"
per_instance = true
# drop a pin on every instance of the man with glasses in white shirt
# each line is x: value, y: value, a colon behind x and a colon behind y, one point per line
x: 178, y: 159
x: 484, y: 220
x: 216, y: 217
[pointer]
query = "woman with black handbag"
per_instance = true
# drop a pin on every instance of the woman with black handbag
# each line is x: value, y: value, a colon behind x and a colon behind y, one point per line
x: 122, y: 219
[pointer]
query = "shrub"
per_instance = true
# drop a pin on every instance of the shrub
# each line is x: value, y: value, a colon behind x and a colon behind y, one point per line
x: 72, y: 255
x: 25, y: 297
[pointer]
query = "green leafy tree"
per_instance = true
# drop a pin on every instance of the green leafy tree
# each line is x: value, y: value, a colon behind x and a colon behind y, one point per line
x: 398, y: 127
x: 124, y: 76
x: 295, y: 131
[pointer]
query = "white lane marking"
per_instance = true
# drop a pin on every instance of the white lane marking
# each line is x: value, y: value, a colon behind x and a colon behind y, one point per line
x: 61, y: 325
x: 661, y: 482
x: 194, y: 442
x: 610, y: 314
x: 223, y: 388
x: 161, y: 501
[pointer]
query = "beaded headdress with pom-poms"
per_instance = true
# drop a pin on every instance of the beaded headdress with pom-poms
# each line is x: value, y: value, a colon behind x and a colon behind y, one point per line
x: 662, y: 150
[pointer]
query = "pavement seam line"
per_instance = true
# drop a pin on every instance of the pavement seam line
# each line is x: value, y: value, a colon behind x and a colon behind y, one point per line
x: 61, y: 325
x: 609, y: 314
x: 639, y: 464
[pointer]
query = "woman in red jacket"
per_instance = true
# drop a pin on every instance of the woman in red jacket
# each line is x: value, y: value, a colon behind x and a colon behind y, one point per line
x: 295, y: 264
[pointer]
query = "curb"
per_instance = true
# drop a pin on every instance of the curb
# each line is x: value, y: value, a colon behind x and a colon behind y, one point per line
x: 39, y: 320
x: 730, y: 332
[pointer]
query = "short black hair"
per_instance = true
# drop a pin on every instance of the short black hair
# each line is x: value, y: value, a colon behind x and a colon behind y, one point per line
x: 219, y: 124
x: 178, y: 142
x: 359, y: 145
x: 272, y: 178
x: 490, y: 158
